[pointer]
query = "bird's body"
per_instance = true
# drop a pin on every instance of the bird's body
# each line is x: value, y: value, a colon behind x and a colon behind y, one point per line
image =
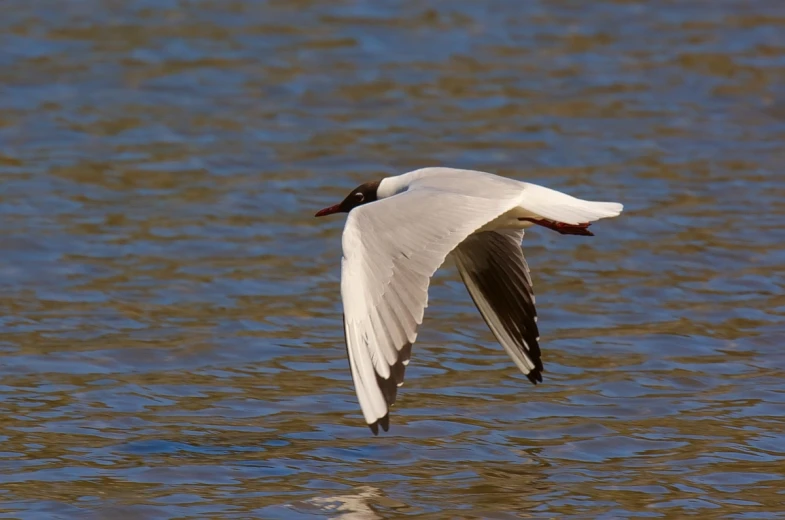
x: 399, y: 232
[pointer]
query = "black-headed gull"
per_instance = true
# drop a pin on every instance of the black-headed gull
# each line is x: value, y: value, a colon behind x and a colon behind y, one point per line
x: 400, y: 230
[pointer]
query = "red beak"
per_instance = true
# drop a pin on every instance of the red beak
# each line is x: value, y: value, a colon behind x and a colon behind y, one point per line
x: 329, y: 211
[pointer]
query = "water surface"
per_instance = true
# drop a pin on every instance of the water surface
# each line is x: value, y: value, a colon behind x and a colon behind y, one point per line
x: 171, y: 339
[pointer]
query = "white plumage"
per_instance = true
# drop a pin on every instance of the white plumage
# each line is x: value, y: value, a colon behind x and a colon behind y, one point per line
x: 394, y: 244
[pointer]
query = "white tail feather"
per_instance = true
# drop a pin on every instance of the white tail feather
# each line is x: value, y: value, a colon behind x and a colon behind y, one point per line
x: 560, y: 207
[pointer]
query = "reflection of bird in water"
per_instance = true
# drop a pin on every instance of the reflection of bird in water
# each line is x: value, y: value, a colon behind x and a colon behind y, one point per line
x: 399, y: 232
x: 350, y: 507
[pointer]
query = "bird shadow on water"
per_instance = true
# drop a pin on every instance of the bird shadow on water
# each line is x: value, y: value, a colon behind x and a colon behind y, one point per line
x: 487, y: 492
x: 360, y: 504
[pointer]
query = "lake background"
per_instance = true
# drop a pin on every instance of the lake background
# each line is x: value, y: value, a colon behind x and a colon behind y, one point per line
x: 170, y: 321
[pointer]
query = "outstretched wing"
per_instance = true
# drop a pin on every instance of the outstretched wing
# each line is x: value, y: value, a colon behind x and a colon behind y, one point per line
x: 495, y: 272
x: 391, y: 249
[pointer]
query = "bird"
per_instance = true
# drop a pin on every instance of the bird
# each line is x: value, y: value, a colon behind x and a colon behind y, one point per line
x: 399, y: 230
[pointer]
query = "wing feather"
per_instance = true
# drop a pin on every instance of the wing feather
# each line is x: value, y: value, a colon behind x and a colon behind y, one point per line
x: 497, y: 277
x: 391, y: 249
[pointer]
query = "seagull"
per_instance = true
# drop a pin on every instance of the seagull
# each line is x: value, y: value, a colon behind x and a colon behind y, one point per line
x: 399, y: 231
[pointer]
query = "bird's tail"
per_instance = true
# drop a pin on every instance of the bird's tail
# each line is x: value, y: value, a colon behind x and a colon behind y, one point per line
x: 560, y: 207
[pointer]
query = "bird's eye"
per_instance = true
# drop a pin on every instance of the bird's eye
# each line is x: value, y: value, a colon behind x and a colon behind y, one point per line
x: 359, y: 197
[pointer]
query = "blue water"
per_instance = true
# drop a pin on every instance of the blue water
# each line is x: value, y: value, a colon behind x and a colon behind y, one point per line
x: 171, y: 341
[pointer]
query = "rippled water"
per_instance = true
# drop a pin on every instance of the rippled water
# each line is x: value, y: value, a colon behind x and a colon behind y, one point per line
x: 171, y: 323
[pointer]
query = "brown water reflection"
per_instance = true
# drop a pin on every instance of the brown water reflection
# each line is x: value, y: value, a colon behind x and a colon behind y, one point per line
x: 171, y: 342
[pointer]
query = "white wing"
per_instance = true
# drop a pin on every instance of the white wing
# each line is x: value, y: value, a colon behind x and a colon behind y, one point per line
x: 391, y: 249
x: 495, y: 272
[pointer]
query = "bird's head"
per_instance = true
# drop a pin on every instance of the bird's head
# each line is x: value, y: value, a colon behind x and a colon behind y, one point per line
x: 362, y: 194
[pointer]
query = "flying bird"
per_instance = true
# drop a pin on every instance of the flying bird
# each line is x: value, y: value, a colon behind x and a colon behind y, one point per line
x: 400, y: 230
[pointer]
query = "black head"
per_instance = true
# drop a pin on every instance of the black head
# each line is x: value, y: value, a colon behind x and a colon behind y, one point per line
x: 362, y: 194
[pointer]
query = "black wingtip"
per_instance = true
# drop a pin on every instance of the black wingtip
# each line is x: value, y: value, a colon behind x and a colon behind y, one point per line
x: 535, y: 376
x: 384, y: 422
